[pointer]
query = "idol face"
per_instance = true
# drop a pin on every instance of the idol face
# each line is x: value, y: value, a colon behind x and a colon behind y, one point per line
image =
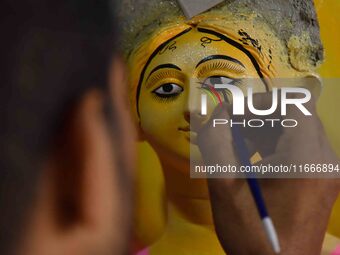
x: 174, y: 79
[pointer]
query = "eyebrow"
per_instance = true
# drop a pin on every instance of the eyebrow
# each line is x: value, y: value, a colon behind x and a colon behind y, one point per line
x: 212, y: 57
x: 163, y: 66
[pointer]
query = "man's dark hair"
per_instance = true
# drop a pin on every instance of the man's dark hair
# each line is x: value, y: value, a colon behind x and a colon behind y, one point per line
x: 51, y: 52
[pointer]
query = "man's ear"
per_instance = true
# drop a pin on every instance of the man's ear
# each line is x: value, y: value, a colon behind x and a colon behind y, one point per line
x: 78, y: 204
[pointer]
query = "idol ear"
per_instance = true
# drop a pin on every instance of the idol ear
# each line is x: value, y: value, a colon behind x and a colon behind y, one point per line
x: 313, y: 83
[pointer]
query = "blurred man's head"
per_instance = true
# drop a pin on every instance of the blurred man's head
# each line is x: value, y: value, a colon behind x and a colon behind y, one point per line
x: 64, y: 177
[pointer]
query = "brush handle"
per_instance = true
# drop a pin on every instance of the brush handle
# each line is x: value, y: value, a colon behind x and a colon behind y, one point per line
x: 244, y: 157
x: 254, y: 186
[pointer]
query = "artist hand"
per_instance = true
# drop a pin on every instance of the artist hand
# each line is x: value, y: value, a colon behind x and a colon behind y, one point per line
x: 300, y: 208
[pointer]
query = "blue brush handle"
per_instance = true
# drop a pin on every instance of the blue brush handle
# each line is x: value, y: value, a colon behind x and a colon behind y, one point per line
x: 244, y: 157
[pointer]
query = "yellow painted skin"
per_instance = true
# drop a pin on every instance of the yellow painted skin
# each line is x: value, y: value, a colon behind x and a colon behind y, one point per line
x: 189, y: 229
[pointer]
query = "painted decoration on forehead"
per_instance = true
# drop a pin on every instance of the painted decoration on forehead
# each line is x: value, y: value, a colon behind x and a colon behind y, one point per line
x: 171, y: 60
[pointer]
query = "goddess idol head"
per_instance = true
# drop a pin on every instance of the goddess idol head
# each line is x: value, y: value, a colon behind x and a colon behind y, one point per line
x: 235, y: 40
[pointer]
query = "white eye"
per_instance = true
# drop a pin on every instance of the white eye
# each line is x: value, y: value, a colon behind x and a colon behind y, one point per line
x: 168, y: 90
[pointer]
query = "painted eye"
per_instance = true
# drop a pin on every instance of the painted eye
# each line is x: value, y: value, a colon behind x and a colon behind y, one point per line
x: 168, y: 90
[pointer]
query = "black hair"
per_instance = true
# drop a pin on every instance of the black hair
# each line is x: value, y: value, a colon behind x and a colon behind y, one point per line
x: 51, y: 53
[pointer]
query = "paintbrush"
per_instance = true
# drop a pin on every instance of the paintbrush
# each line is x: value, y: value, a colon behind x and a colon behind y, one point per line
x: 244, y: 157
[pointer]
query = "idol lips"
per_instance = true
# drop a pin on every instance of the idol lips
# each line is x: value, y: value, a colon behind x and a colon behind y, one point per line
x: 190, y: 135
x: 186, y: 129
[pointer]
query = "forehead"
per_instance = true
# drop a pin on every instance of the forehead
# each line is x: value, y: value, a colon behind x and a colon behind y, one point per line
x: 187, y: 50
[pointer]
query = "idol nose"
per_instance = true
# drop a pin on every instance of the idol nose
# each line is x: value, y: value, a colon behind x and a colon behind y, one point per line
x: 194, y: 112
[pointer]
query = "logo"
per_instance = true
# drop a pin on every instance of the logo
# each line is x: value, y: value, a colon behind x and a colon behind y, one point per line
x: 238, y: 105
